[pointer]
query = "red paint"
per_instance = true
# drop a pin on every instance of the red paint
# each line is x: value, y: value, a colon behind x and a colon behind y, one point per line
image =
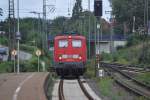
x: 82, y: 51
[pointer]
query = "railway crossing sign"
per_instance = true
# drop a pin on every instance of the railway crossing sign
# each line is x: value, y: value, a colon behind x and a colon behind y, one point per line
x: 38, y: 52
x: 14, y: 52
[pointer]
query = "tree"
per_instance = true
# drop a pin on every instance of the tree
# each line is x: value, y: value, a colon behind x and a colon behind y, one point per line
x: 124, y: 10
x: 1, y: 12
x: 77, y: 9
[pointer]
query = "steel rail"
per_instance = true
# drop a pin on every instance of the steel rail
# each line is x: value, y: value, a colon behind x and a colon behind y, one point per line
x: 60, y: 90
x: 128, y: 76
x: 125, y: 84
x: 84, y: 90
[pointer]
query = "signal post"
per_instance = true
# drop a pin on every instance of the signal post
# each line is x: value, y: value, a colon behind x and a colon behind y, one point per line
x: 38, y: 53
x: 98, y: 13
x: 14, y: 53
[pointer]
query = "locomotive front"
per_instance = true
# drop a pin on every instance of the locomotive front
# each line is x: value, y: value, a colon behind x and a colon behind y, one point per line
x: 70, y: 54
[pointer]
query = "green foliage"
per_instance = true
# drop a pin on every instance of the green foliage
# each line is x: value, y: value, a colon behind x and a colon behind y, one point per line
x: 124, y: 56
x: 134, y: 40
x: 80, y: 25
x: 107, y: 57
x: 29, y: 66
x: 6, y: 67
x: 124, y: 10
x: 58, y: 25
x: 105, y: 85
x: 1, y: 12
x: 145, y: 78
x: 145, y: 54
x: 29, y: 49
x: 90, y: 72
x: 77, y: 9
x: 3, y: 40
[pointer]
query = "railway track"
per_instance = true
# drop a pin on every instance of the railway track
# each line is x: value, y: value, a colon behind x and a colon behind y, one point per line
x: 84, y: 90
x: 60, y: 90
x: 127, y: 81
x: 134, y: 68
x: 61, y: 93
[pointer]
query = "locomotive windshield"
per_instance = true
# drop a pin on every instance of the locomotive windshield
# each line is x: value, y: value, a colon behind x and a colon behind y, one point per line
x: 63, y: 43
x: 76, y: 43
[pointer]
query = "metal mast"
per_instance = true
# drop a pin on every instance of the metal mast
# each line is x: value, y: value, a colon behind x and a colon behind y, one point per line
x: 11, y: 19
x: 44, y: 36
x: 89, y: 28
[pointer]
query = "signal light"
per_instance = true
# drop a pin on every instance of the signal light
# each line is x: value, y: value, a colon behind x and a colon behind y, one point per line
x: 98, y: 8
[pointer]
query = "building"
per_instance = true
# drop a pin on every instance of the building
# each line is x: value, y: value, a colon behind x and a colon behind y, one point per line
x: 106, y: 43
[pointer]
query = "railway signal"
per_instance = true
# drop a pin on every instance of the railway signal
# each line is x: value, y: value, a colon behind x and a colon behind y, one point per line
x: 98, y: 8
x: 98, y: 58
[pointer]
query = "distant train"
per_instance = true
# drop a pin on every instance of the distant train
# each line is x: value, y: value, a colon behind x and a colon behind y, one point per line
x: 70, y: 54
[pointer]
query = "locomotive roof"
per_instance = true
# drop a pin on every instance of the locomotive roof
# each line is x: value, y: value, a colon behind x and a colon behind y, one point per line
x: 66, y: 36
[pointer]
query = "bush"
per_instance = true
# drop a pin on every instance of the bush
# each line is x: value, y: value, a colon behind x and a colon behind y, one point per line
x: 6, y: 67
x: 107, y: 57
x: 3, y: 40
x: 134, y: 40
x: 26, y: 48
x: 29, y: 66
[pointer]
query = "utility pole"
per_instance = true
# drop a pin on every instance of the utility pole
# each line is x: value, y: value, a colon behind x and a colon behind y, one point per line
x: 18, y: 37
x: 112, y: 34
x: 11, y: 19
x: 44, y: 36
x: 89, y: 28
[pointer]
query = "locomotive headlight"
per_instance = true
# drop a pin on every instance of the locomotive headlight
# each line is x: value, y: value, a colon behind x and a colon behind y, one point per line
x: 80, y: 57
x: 69, y: 37
x: 60, y: 58
x: 75, y: 56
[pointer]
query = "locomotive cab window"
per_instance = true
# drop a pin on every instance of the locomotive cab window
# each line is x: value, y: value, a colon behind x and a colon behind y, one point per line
x: 63, y: 43
x: 76, y: 43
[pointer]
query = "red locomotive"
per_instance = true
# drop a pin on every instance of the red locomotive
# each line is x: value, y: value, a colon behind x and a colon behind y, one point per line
x: 70, y: 54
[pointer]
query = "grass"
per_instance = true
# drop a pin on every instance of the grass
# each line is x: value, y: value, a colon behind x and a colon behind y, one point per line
x: 90, y: 72
x: 145, y: 78
x: 105, y: 84
x: 3, y: 40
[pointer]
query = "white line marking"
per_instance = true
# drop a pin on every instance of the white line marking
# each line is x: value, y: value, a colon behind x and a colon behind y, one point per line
x: 19, y: 87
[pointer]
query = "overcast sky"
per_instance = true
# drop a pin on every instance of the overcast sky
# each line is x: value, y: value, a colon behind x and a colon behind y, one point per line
x: 61, y: 7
